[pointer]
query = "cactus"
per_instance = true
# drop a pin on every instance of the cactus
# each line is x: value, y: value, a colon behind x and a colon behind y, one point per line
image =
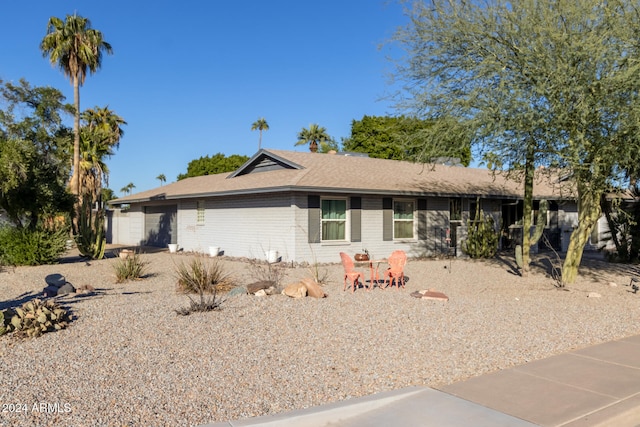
x: 541, y: 221
x: 91, y: 239
x: 519, y: 262
x: 36, y: 317
x: 537, y: 233
x: 3, y: 325
x: 482, y: 238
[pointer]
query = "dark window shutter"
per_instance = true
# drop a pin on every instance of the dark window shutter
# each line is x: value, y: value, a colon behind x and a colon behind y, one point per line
x: 313, y: 208
x: 356, y: 219
x: 387, y: 218
x: 422, y: 219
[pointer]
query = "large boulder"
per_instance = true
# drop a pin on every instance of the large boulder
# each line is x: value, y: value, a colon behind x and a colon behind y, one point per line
x: 295, y: 290
x: 313, y: 288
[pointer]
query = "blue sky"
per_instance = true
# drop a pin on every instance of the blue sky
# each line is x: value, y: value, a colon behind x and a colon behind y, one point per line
x: 190, y: 77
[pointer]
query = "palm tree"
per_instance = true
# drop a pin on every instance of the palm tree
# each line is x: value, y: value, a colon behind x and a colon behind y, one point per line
x: 161, y: 178
x: 100, y: 132
x: 107, y: 122
x: 127, y: 188
x: 76, y: 48
x: 312, y: 136
x: 260, y: 124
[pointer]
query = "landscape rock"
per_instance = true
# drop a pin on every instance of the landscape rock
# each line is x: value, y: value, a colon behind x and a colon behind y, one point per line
x: 238, y: 290
x: 313, y: 288
x: 67, y: 288
x: 593, y: 295
x: 261, y: 293
x: 430, y: 294
x: 85, y: 289
x: 613, y: 284
x: 56, y: 280
x: 295, y: 290
x: 254, y: 287
x: 50, y: 291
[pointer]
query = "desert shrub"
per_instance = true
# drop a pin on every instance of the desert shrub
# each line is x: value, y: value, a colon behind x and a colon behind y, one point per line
x: 36, y: 317
x: 263, y: 271
x: 24, y: 246
x: 482, y: 238
x: 130, y: 268
x: 204, y: 277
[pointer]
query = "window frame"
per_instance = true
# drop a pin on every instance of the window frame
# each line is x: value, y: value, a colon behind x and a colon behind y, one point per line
x: 412, y: 220
x: 346, y: 237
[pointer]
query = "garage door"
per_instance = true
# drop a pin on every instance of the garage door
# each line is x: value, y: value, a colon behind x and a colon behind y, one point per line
x: 160, y: 225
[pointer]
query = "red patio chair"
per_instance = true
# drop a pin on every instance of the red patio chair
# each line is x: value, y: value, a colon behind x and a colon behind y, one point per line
x: 395, y: 273
x: 350, y: 273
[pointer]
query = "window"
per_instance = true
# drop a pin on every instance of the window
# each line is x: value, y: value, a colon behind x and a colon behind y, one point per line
x: 334, y: 219
x: 403, y: 219
x: 473, y: 209
x: 455, y: 209
x: 200, y: 213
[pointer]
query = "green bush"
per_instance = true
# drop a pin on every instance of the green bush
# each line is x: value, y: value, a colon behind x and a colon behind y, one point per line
x: 24, y: 246
x: 482, y: 238
x: 130, y: 268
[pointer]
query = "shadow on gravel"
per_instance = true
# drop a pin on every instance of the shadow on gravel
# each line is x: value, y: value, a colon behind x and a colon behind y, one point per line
x: 509, y: 262
x: 17, y: 302
x: 73, y: 256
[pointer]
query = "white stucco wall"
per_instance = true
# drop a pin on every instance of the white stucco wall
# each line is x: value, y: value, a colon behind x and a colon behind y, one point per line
x: 240, y: 226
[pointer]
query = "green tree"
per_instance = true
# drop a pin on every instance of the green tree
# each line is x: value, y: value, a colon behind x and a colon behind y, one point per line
x: 533, y: 83
x: 260, y: 125
x: 401, y: 138
x: 313, y: 136
x: 162, y: 178
x: 76, y: 49
x: 33, y: 154
x: 218, y: 163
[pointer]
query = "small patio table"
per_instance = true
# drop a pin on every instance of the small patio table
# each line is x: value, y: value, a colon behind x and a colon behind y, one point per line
x: 374, y: 271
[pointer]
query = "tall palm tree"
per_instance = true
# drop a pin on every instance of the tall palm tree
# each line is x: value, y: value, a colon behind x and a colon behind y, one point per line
x: 312, y: 136
x: 161, y: 178
x: 76, y: 49
x: 260, y: 124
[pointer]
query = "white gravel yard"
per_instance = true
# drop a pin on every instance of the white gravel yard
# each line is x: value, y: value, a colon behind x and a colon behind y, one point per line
x: 129, y: 359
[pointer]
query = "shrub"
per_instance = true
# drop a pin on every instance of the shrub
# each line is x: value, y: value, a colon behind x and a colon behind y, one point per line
x: 34, y: 318
x: 24, y: 246
x: 130, y: 268
x: 204, y: 277
x: 264, y: 271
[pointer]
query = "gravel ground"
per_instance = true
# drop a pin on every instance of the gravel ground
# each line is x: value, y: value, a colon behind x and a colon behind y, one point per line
x: 128, y: 359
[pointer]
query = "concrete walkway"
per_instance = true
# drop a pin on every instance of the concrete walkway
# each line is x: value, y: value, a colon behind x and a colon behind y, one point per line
x: 595, y: 386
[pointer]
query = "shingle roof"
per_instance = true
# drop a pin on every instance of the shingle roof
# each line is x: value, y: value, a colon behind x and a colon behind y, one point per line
x: 315, y: 172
